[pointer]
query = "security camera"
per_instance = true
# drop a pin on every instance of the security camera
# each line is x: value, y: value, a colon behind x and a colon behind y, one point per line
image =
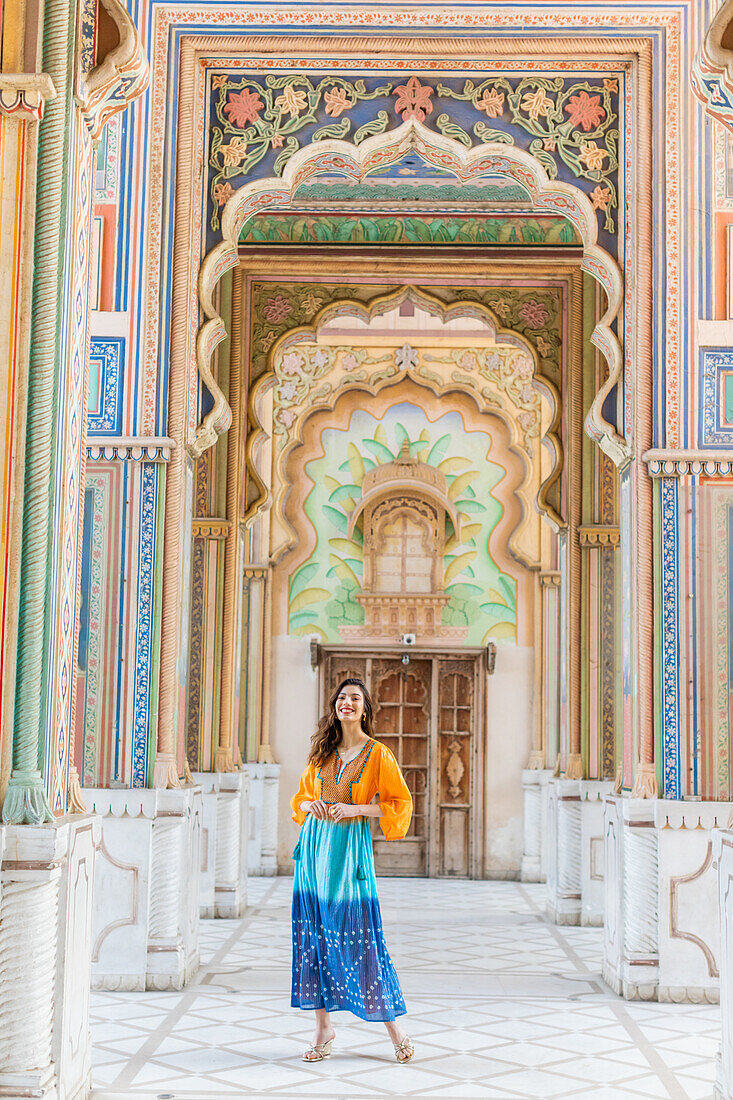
x: 409, y: 639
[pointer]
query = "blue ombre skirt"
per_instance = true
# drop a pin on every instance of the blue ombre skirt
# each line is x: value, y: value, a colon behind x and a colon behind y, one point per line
x: 340, y: 959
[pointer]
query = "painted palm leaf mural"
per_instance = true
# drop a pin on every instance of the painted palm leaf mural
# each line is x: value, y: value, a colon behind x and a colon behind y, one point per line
x: 324, y: 590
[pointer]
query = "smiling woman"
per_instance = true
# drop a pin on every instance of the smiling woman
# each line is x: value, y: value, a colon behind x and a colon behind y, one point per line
x: 340, y: 959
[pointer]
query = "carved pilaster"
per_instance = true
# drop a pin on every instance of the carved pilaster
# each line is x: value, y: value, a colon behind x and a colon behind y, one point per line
x: 28, y: 924
x: 599, y: 536
x: 228, y: 804
x: 270, y: 797
x: 640, y: 959
x: 564, y: 852
x: 530, y: 871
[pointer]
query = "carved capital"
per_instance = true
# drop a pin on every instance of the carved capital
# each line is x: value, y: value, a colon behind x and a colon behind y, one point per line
x: 599, y: 536
x: 646, y: 782
x: 124, y: 447
x: 24, y: 95
x: 209, y: 527
x: 165, y: 772
x: 224, y: 761
x: 675, y: 463
x: 574, y: 766
x: 536, y: 761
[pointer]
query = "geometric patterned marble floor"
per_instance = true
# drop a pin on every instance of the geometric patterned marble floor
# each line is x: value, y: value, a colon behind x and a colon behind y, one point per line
x: 501, y: 1003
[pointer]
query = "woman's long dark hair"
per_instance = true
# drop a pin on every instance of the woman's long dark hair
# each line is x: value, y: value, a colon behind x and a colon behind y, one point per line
x: 328, y: 734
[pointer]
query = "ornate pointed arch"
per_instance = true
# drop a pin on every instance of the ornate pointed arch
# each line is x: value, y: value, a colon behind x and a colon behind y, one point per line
x: 309, y: 373
x: 467, y: 165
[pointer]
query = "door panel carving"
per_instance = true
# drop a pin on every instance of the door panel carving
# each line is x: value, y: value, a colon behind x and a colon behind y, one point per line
x: 402, y: 721
x: 455, y: 715
x: 427, y: 713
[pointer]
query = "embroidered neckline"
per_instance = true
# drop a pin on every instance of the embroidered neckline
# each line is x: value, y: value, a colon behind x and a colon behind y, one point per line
x: 345, y: 764
x: 335, y: 781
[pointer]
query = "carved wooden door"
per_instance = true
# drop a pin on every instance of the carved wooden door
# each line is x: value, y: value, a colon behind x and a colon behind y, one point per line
x: 455, y: 795
x: 428, y: 713
x: 402, y: 705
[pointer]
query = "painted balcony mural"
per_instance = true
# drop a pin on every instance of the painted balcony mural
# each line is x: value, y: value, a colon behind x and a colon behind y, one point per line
x: 419, y: 557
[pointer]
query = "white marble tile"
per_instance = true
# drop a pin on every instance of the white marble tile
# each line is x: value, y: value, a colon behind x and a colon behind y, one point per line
x: 500, y: 1003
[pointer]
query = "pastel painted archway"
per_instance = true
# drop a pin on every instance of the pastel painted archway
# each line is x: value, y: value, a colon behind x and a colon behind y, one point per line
x: 467, y: 165
x: 312, y: 367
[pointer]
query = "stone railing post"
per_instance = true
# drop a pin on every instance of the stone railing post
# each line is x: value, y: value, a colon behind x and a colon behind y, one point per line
x: 530, y: 870
x: 270, y: 807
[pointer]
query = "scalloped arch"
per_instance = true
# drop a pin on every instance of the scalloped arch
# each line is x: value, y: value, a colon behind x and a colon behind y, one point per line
x: 467, y: 165
x: 273, y: 483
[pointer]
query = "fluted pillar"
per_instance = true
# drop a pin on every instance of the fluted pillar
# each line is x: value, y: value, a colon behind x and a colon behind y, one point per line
x: 28, y: 955
x: 46, y: 885
x: 641, y: 893
x: 564, y: 888
x: 173, y: 952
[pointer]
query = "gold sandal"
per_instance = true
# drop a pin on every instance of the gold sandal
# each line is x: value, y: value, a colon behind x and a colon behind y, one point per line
x: 317, y: 1053
x: 405, y: 1048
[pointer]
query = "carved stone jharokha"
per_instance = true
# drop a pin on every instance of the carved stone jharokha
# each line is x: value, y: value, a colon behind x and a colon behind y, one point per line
x: 225, y: 834
x: 145, y: 931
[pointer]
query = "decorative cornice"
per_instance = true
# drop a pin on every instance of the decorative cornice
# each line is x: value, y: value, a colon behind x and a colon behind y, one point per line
x: 598, y: 535
x: 550, y: 578
x: 675, y: 463
x: 712, y: 69
x: 210, y: 528
x: 256, y: 571
x: 23, y: 95
x: 124, y: 447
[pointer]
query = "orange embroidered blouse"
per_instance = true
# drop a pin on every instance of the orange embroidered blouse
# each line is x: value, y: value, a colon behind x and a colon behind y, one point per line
x: 357, y: 784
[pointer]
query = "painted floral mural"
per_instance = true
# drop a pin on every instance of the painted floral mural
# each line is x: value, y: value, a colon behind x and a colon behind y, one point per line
x: 323, y: 590
x: 570, y: 124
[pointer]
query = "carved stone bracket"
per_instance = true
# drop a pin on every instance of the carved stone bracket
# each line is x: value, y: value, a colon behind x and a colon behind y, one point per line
x: 712, y: 69
x: 599, y: 536
x: 23, y: 95
x: 109, y: 86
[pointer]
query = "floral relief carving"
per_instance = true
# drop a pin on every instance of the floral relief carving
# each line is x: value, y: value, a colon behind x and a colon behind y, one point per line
x: 575, y: 123
x: 253, y: 118
x: 301, y: 368
x: 455, y: 768
x: 534, y: 313
x: 570, y: 125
